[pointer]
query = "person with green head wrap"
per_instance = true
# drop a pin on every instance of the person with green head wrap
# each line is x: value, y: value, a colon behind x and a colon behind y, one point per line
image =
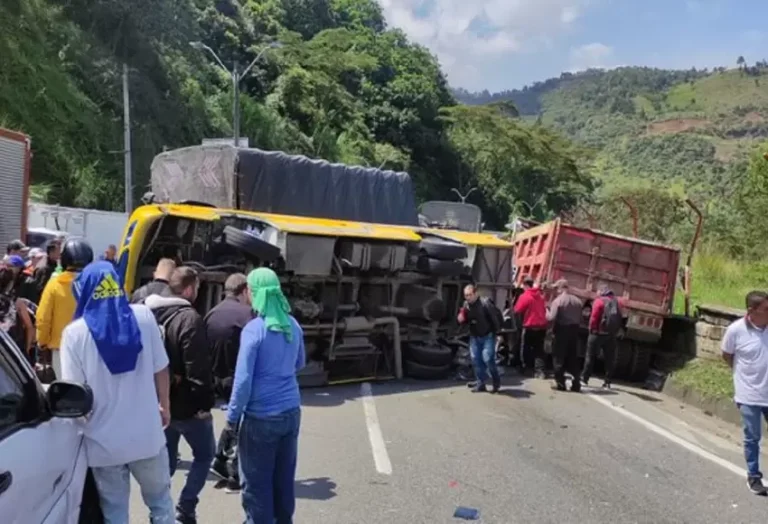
x: 265, y: 406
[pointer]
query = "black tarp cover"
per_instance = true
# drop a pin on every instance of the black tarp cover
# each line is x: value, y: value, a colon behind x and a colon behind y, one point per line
x: 274, y: 182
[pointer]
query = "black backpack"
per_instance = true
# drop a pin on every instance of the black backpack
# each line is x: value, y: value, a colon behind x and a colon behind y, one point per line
x: 612, y: 321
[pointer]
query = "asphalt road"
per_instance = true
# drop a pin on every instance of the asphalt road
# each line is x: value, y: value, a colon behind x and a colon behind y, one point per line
x: 413, y: 452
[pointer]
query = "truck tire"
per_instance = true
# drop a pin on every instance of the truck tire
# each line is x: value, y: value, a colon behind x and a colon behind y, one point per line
x: 422, y: 372
x: 641, y: 362
x: 624, y: 353
x: 433, y: 355
x: 440, y: 249
x: 440, y: 268
x: 250, y: 244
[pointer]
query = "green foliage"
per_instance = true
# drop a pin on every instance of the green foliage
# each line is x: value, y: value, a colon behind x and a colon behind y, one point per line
x: 343, y: 87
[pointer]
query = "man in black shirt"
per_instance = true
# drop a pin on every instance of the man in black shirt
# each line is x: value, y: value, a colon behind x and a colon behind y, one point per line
x: 159, y: 284
x: 223, y: 324
x: 484, y: 324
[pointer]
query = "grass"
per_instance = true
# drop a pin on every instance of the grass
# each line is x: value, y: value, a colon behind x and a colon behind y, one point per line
x: 710, y: 378
x: 721, y: 280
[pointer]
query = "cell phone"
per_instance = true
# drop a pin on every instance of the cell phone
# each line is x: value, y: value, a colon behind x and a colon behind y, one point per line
x: 466, y: 513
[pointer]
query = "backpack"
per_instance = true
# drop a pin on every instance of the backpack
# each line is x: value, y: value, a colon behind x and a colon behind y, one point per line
x: 494, y: 315
x: 611, y: 321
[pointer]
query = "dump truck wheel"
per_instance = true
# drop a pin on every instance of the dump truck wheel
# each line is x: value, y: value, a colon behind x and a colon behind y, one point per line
x: 422, y: 372
x: 641, y: 362
x: 442, y: 268
x: 433, y: 355
x: 250, y: 244
x: 442, y: 249
x: 624, y: 354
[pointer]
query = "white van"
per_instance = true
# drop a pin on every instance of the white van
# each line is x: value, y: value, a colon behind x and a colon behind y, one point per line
x: 43, y: 466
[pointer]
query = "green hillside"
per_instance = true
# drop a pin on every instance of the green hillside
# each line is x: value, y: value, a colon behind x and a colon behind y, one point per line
x: 675, y: 134
x: 343, y: 87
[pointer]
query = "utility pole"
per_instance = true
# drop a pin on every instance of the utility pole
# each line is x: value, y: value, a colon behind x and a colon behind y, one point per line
x: 236, y: 105
x: 127, y: 142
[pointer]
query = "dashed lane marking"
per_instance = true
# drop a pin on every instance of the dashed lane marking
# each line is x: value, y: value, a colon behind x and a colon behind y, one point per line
x: 379, y: 449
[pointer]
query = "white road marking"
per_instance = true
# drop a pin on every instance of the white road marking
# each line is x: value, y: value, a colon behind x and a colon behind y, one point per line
x: 703, y: 453
x: 380, y: 455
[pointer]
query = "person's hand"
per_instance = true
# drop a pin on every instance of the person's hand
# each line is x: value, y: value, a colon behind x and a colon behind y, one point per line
x: 165, y: 417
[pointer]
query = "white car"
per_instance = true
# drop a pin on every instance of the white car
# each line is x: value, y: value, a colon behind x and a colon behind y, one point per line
x: 43, y: 467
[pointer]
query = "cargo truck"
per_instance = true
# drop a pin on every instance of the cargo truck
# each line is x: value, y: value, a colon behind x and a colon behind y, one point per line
x: 15, y: 157
x: 642, y: 275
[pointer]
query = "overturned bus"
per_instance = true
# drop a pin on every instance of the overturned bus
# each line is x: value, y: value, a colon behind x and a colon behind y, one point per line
x: 375, y: 290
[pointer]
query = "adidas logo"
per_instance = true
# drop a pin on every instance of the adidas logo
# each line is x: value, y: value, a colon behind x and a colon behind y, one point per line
x: 107, y: 288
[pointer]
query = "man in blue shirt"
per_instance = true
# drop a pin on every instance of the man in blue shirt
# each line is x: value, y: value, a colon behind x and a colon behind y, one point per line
x: 265, y: 402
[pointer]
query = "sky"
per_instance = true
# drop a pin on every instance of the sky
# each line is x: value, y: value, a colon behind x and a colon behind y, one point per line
x: 506, y: 44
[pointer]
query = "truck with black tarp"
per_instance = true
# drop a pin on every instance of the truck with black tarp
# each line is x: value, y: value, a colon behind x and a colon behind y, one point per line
x: 375, y: 292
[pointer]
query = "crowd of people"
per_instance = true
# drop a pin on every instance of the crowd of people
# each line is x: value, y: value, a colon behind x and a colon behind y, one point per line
x: 562, y: 317
x: 156, y: 367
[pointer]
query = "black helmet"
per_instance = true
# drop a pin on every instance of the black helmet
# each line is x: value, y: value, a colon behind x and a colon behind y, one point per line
x: 76, y: 253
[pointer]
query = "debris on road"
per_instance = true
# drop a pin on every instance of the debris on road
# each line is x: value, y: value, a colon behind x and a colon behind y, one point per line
x: 466, y: 513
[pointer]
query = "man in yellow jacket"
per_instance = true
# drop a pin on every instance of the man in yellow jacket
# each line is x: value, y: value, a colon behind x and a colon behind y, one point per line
x: 57, y: 304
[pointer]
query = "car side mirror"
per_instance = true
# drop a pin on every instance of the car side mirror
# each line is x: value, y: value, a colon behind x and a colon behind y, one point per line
x: 69, y: 399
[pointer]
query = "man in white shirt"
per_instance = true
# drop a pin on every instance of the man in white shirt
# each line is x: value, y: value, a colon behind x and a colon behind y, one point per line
x: 745, y: 349
x: 116, y: 349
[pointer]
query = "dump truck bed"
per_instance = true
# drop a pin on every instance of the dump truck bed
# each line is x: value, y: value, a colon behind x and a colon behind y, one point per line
x: 641, y: 273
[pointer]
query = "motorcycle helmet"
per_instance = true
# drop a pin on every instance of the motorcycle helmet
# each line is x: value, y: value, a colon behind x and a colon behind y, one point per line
x: 76, y: 253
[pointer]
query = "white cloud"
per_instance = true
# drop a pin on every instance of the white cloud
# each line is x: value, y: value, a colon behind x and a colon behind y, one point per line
x: 594, y: 55
x: 465, y: 35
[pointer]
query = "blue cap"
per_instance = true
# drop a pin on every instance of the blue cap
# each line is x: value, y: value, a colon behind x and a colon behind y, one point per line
x: 15, y: 261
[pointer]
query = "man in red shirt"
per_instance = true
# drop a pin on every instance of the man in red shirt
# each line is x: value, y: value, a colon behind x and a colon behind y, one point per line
x: 533, y: 308
x: 605, y: 323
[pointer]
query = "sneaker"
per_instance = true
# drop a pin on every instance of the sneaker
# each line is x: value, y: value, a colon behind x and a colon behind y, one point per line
x: 472, y: 385
x: 755, y: 485
x: 219, y: 468
x: 233, y: 486
x: 606, y: 385
x: 479, y: 388
x: 559, y: 387
x: 496, y: 386
x: 184, y: 518
x: 584, y: 381
x: 576, y: 388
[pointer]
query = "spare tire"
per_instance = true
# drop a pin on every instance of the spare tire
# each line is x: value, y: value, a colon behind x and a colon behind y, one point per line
x: 440, y: 268
x: 421, y: 372
x: 250, y: 244
x: 441, y: 249
x: 429, y: 354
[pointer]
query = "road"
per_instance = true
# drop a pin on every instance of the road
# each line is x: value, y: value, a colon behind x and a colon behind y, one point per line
x: 414, y: 451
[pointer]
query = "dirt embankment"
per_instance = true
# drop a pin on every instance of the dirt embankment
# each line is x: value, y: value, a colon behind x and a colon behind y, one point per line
x: 676, y: 125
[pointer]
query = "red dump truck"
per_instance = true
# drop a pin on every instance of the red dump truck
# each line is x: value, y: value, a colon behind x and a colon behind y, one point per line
x: 642, y: 274
x: 15, y: 158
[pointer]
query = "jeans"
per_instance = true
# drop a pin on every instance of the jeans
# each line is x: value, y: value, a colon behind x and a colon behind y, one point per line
x: 152, y: 475
x: 483, y: 352
x: 533, y: 348
x: 198, y: 432
x: 268, y: 449
x: 565, y: 354
x: 594, y: 343
x: 752, y: 423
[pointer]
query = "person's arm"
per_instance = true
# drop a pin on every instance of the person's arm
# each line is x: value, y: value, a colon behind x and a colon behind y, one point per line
x: 29, y: 328
x: 193, y: 345
x: 728, y: 347
x: 250, y: 342
x: 552, y: 310
x: 596, y: 316
x: 71, y: 365
x: 162, y: 377
x: 44, y: 317
x: 522, y: 304
x: 301, y: 356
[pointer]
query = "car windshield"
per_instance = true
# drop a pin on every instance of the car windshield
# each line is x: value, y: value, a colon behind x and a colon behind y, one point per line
x: 451, y: 215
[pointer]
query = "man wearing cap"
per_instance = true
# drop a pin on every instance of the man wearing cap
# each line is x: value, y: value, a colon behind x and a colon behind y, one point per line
x: 565, y: 317
x: 27, y: 285
x: 17, y: 247
x: 224, y: 324
x: 533, y: 308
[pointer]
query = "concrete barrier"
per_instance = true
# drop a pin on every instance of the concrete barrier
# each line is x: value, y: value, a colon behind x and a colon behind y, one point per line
x: 710, y: 328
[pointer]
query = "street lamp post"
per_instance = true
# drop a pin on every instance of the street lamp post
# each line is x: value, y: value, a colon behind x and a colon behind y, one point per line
x: 464, y: 196
x: 237, y: 77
